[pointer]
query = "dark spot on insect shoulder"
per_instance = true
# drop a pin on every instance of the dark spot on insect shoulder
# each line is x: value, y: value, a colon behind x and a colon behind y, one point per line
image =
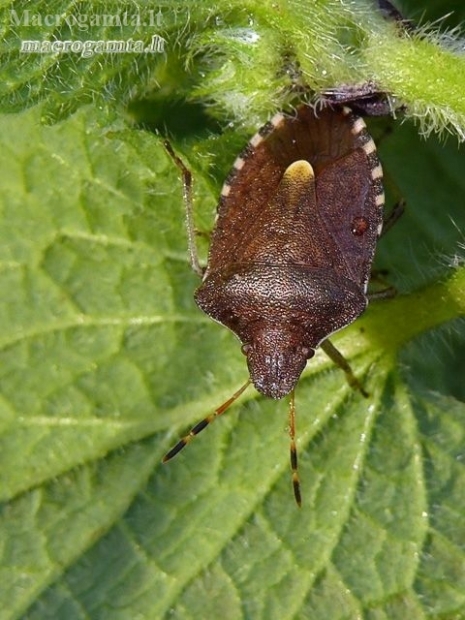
x: 359, y: 226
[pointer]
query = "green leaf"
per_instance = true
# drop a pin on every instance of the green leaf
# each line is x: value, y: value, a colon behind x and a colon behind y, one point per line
x: 106, y: 361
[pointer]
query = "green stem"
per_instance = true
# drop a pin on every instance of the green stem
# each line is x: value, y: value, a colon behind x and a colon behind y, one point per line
x: 389, y: 325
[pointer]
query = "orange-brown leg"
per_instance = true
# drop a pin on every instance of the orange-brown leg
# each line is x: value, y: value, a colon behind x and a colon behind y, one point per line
x: 337, y: 357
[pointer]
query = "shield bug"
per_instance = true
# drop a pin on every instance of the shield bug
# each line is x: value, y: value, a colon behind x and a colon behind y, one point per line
x: 291, y: 253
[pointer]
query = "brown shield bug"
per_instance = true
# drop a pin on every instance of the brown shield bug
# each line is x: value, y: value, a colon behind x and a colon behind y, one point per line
x: 291, y: 253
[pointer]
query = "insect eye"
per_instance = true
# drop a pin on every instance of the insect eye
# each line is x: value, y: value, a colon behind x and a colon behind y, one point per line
x: 307, y: 352
x: 245, y: 348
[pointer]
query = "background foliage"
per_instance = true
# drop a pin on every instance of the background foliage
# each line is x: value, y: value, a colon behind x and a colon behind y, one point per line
x: 105, y: 359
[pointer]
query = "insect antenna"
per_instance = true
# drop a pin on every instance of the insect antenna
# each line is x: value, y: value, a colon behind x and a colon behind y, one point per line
x: 293, y: 451
x: 195, y: 430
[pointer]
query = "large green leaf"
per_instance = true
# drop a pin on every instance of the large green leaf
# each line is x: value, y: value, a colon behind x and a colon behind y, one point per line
x: 105, y: 361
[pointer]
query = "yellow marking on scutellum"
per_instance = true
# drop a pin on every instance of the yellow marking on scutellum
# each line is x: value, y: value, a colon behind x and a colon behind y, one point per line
x: 297, y: 181
x: 195, y: 430
x: 300, y: 170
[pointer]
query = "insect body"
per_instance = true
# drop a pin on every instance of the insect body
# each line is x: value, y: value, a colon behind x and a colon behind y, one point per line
x: 292, y: 249
x: 291, y: 252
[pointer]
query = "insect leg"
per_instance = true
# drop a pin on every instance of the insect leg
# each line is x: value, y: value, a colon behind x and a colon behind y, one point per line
x: 337, y: 357
x: 391, y: 218
x: 188, y: 203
